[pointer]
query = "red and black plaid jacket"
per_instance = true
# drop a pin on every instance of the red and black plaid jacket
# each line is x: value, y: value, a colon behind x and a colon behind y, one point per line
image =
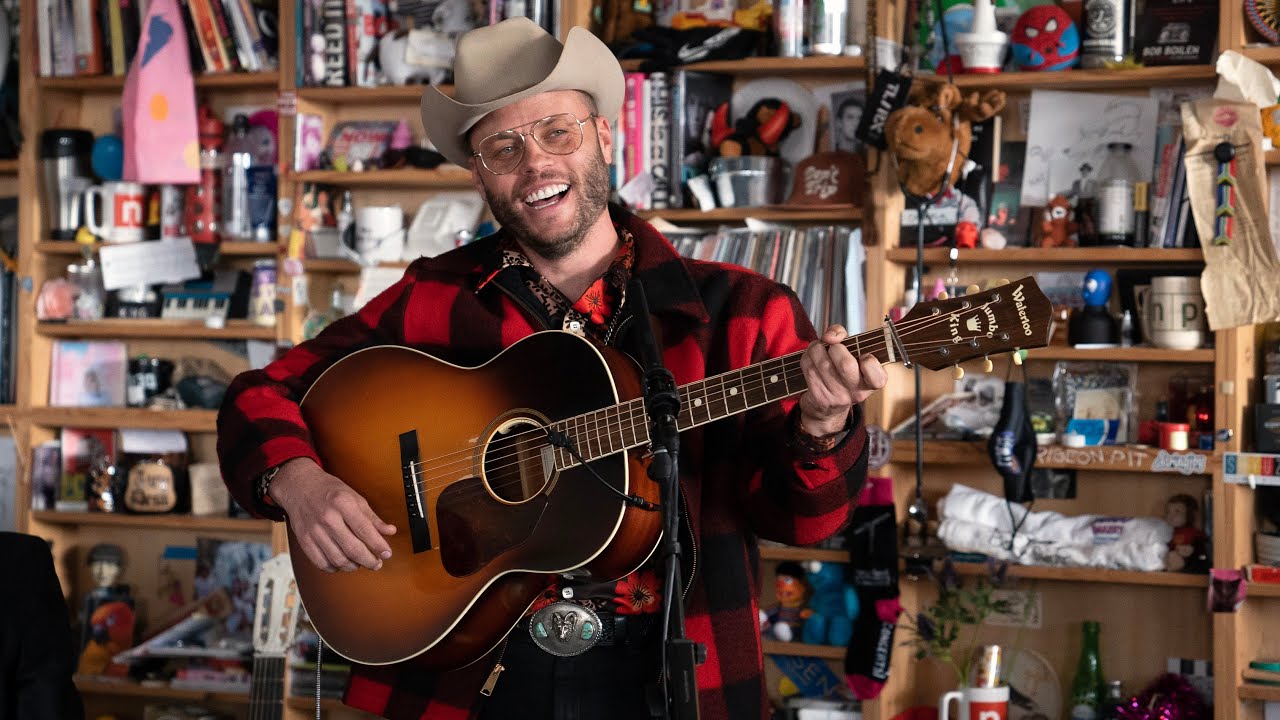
x: 743, y: 477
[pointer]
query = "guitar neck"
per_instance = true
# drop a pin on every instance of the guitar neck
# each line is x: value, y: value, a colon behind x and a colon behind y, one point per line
x: 266, y: 693
x: 626, y: 425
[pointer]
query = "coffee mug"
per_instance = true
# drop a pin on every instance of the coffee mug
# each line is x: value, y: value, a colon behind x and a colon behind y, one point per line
x: 976, y: 703
x: 118, y: 214
x: 380, y: 233
x: 1172, y: 312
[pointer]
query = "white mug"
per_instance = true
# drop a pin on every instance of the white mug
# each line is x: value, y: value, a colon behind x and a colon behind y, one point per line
x: 976, y: 703
x: 120, y: 214
x: 1172, y: 312
x: 380, y: 232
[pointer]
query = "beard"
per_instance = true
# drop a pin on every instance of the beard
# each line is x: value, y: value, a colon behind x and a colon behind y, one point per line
x: 591, y: 193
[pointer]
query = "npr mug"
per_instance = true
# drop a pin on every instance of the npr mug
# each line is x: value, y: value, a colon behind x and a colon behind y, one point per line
x: 976, y: 703
x: 115, y: 211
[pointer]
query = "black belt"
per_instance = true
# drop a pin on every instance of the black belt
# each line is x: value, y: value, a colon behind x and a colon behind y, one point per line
x: 615, y: 630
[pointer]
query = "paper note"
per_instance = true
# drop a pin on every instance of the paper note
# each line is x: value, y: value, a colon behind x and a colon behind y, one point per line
x: 148, y: 263
x: 373, y: 280
x: 152, y: 442
x: 1068, y: 136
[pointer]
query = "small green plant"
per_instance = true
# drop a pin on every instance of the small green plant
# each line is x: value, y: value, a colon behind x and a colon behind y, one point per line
x: 949, y: 629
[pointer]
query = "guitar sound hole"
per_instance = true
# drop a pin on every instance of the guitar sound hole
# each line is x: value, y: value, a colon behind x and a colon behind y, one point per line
x: 514, y: 470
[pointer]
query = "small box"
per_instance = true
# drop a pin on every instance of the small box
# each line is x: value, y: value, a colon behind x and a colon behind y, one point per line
x: 1266, y: 427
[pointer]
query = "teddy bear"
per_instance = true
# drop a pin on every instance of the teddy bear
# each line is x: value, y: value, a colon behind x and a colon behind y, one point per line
x: 759, y: 132
x: 785, y: 621
x: 932, y: 134
x: 1056, y: 228
x: 833, y: 605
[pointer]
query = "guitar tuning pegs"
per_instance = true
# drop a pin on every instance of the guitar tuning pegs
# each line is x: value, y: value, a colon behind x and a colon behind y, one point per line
x: 1017, y: 356
x: 971, y: 290
x: 957, y: 372
x: 942, y: 295
x: 987, y: 365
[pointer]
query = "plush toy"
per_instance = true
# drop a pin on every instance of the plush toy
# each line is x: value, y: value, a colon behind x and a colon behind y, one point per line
x: 785, y: 621
x: 621, y: 18
x: 759, y: 132
x: 833, y: 604
x: 1187, y: 546
x: 930, y: 137
x: 1056, y: 228
x: 1044, y: 38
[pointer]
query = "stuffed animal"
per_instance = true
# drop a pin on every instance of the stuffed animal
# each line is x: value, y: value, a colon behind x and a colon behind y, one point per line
x: 1056, y: 228
x: 759, y: 132
x: 1044, y: 38
x: 833, y: 604
x: 932, y: 134
x: 785, y: 621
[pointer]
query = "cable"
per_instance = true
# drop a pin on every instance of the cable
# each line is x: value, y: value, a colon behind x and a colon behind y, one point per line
x: 561, y: 440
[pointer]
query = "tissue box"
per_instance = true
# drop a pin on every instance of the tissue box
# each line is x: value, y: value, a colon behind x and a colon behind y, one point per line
x: 1266, y: 427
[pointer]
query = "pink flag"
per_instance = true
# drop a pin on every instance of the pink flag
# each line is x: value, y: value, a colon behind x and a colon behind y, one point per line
x: 159, y: 105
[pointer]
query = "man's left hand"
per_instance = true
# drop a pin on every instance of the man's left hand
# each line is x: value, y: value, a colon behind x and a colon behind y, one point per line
x: 837, y: 381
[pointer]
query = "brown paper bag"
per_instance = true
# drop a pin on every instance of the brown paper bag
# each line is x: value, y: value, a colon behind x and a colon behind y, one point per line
x: 1241, y: 279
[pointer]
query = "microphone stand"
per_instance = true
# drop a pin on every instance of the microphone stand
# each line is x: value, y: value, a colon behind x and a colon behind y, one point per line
x: 680, y: 655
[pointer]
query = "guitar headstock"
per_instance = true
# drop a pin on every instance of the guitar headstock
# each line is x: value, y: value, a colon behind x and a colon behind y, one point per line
x: 942, y: 333
x: 278, y: 607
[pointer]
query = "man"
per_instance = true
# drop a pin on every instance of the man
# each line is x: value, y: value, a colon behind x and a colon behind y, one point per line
x: 848, y: 115
x: 37, y: 655
x: 529, y: 117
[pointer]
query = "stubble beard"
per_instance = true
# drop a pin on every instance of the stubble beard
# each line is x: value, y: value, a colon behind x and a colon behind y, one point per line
x: 592, y: 190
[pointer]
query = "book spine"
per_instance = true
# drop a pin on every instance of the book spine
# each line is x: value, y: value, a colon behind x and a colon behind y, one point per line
x: 226, y: 41
x: 88, y: 38
x: 631, y: 106
x: 257, y: 47
x: 660, y: 140
x: 115, y: 21
x: 333, y: 21
x: 195, y: 48
x: 207, y: 35
x: 243, y: 40
x: 351, y: 31
x: 130, y: 27
x: 679, y: 128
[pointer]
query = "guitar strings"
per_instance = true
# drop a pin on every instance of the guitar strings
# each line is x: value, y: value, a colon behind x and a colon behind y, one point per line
x: 420, y: 469
x: 593, y: 431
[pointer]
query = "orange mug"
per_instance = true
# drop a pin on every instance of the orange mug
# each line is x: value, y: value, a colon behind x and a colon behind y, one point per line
x: 976, y: 703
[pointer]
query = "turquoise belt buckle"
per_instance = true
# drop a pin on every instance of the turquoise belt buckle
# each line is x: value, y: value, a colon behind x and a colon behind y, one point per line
x: 565, y: 629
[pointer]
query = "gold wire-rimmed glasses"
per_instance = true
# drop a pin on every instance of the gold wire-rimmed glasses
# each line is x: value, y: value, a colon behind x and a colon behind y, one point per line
x: 560, y: 134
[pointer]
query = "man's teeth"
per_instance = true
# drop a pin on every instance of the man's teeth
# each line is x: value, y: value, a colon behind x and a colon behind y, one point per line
x: 545, y: 193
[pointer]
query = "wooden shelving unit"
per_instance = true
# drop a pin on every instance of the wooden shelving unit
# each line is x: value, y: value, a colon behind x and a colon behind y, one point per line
x: 142, y: 522
x: 1258, y: 691
x: 1122, y: 354
x: 89, y: 686
x: 771, y: 552
x: 115, y: 83
x: 828, y: 652
x: 9, y: 167
x: 186, y: 420
x: 1093, y: 575
x: 227, y: 249
x: 779, y: 215
x: 1098, y: 458
x: 156, y: 328
x: 756, y: 66
x: 1078, y: 79
x: 410, y: 178
x: 1264, y: 590
x: 388, y: 93
x: 1053, y: 256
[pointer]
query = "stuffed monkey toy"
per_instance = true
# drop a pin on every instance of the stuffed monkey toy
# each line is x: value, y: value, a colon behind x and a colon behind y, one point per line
x: 759, y: 132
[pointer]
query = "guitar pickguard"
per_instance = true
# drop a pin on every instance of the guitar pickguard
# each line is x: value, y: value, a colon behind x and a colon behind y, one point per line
x: 475, y: 528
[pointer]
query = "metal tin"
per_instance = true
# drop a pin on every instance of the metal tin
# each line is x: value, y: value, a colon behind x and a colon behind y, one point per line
x: 829, y: 31
x: 986, y: 670
x: 789, y: 24
x: 262, y: 298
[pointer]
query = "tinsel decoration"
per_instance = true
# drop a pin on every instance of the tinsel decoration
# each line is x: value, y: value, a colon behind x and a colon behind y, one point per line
x: 1170, y: 697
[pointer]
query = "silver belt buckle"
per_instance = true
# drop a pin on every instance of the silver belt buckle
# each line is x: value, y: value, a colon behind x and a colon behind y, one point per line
x: 565, y: 629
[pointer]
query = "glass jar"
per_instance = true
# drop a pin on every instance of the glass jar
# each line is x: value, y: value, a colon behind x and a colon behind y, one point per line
x: 86, y: 278
x: 1116, y: 180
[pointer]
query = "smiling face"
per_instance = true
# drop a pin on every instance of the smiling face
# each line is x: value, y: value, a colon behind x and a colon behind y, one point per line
x: 549, y: 201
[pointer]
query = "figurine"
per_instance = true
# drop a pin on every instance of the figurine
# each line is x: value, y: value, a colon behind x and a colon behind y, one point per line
x: 833, y: 606
x: 1187, y: 551
x: 982, y: 48
x: 1057, y: 229
x: 759, y: 132
x: 785, y: 621
x: 1094, y: 326
x: 107, y: 618
x: 1044, y: 38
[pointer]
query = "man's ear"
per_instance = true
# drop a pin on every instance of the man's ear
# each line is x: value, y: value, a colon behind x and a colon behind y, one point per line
x: 605, y: 134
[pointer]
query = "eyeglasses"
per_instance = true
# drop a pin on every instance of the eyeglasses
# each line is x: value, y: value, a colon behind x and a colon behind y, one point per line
x: 501, y: 152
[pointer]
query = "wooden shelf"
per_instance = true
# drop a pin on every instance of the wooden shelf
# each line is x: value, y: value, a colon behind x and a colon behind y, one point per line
x: 1258, y: 691
x: 1265, y: 54
x: 694, y: 215
x: 1122, y: 354
x: 360, y: 95
x: 746, y: 67
x: 1084, y: 79
x: 1099, y: 458
x: 410, y: 178
x: 163, y: 522
x: 1022, y: 256
x: 777, y: 647
x: 338, y: 265
x: 802, y: 554
x: 1267, y: 590
x: 235, y: 249
x: 126, y: 688
x: 155, y: 328
x: 115, y: 83
x: 1092, y: 575
x: 1273, y: 157
x: 113, y: 417
x: 9, y: 167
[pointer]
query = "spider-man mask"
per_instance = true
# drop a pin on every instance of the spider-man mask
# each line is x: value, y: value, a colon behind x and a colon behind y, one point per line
x: 1044, y: 38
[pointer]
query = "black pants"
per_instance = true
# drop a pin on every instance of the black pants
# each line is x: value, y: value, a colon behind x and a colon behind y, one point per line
x: 601, y: 683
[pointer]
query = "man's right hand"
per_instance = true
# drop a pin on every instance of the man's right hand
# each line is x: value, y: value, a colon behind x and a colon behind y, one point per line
x: 334, y: 525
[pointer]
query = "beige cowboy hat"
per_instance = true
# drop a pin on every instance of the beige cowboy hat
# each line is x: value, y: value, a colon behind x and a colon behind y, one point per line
x: 501, y: 64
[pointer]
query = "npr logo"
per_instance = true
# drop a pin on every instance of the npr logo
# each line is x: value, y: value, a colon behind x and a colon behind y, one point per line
x: 128, y: 210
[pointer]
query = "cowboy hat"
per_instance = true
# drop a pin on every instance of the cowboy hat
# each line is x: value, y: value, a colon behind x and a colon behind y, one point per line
x: 498, y: 65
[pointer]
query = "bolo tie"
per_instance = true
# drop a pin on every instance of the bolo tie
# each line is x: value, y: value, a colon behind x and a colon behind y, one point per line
x: 1224, y: 213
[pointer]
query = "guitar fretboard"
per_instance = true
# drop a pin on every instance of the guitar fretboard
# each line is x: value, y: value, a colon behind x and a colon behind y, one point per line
x: 266, y: 694
x: 626, y: 425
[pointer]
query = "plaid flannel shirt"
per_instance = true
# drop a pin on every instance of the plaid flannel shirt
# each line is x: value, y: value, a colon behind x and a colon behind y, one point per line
x: 742, y: 477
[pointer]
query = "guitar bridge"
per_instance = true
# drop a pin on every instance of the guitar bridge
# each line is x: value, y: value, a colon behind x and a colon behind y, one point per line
x: 419, y: 529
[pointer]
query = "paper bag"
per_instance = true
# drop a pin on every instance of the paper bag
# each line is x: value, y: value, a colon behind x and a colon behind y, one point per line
x: 159, y: 105
x: 1241, y: 279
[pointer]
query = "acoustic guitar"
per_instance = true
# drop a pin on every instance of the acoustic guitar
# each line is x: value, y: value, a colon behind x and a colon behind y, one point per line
x: 275, y: 620
x: 488, y: 509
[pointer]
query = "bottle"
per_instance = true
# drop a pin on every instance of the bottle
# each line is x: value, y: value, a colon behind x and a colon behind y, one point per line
x: 347, y: 221
x: 1114, y: 700
x: 1105, y: 35
x: 1116, y: 181
x: 1126, y: 329
x: 1141, y: 214
x: 828, y: 33
x: 1086, y: 213
x: 1086, y: 687
x: 238, y: 158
